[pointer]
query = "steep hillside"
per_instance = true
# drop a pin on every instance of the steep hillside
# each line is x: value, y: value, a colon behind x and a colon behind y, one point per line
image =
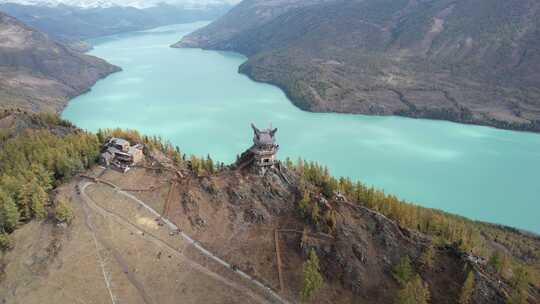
x: 38, y: 74
x: 172, y: 229
x: 72, y: 25
x: 466, y: 61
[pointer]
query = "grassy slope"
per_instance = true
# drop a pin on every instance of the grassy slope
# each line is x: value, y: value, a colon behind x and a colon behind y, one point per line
x: 39, y: 74
x: 466, y: 61
x: 370, y: 233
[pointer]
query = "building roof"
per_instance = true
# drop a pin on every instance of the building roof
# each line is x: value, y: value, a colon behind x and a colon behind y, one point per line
x: 265, y: 137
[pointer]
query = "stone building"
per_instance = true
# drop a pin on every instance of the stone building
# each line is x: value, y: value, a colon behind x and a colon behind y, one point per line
x: 120, y: 154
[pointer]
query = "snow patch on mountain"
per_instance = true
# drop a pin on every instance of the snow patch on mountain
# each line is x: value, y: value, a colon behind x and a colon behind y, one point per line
x: 125, y: 3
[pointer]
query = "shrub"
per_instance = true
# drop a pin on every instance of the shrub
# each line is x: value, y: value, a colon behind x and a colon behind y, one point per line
x: 5, y: 242
x: 63, y: 212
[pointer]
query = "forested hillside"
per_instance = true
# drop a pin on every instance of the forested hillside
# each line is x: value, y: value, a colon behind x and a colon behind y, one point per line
x: 73, y: 25
x: 37, y: 153
x: 341, y: 239
x: 466, y: 61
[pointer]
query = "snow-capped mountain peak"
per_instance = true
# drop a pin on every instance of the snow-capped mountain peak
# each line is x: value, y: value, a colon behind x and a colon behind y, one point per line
x: 126, y: 3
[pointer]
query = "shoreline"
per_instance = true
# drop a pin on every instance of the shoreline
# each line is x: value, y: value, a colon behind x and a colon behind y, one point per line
x: 304, y: 105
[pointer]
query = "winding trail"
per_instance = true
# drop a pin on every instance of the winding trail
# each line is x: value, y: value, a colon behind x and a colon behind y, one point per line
x: 189, y: 241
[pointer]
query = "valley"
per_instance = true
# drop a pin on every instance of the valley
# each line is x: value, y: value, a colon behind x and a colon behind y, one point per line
x: 197, y: 100
x: 74, y: 24
x: 291, y: 151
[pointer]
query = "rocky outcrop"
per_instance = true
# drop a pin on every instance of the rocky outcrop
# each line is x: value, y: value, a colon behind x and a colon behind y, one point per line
x: 357, y: 257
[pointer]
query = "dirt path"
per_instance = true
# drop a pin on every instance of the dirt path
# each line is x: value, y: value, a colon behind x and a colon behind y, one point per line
x: 192, y: 242
x: 90, y: 226
x: 117, y: 256
x: 159, y: 241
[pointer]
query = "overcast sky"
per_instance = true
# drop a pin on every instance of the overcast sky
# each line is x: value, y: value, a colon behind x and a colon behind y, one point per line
x: 134, y: 3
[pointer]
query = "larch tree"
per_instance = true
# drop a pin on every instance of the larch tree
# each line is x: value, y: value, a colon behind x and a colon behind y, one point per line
x: 313, y: 280
x: 9, y: 214
x: 303, y: 204
x: 403, y: 271
x: 315, y: 210
x: 63, y: 212
x: 38, y: 199
x: 414, y: 292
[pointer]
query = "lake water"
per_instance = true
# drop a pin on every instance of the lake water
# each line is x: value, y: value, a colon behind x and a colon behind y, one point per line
x: 197, y: 100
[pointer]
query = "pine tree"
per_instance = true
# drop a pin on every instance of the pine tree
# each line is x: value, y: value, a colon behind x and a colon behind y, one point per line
x: 9, y: 215
x: 403, y: 271
x: 43, y: 176
x: 467, y: 290
x: 209, y: 164
x: 63, y: 211
x: 315, y: 210
x: 303, y: 204
x: 5, y: 242
x: 288, y: 163
x: 331, y: 219
x: 195, y: 165
x: 313, y: 280
x: 38, y: 200
x: 414, y: 292
x: 24, y: 200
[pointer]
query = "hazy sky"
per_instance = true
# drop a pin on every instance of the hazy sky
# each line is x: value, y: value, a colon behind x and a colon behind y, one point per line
x: 105, y: 3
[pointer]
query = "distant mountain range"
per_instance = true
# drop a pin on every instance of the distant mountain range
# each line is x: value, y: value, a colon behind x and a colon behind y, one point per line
x: 72, y: 25
x: 460, y: 60
x: 122, y: 3
x: 39, y: 74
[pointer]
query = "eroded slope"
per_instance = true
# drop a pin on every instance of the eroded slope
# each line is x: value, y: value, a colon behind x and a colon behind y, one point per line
x: 38, y: 74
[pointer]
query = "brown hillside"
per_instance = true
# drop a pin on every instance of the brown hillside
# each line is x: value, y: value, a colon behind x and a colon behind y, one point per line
x: 117, y: 248
x: 38, y: 74
x: 466, y: 61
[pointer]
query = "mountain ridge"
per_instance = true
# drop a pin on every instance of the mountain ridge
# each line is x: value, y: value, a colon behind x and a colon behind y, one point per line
x: 86, y: 4
x: 469, y: 62
x: 74, y: 26
x: 39, y: 74
x: 172, y: 224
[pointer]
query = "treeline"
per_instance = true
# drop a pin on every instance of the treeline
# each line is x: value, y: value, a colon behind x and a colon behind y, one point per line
x: 446, y: 229
x: 32, y: 121
x: 199, y: 165
x: 34, y: 162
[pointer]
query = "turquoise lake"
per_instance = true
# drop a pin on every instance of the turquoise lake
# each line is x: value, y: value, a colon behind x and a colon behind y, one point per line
x: 198, y: 101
